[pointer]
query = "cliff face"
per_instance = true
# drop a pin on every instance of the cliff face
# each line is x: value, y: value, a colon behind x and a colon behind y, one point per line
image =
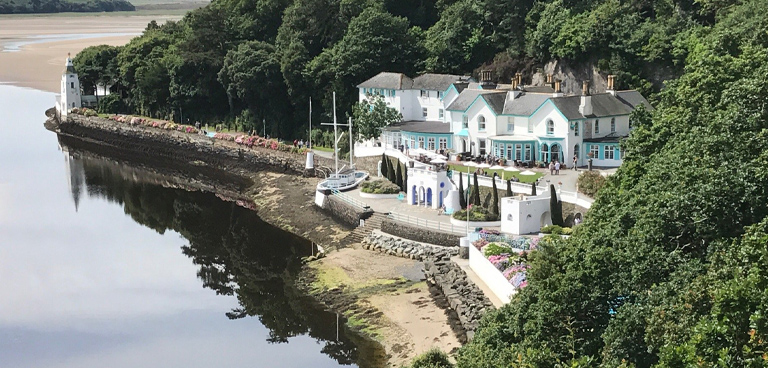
x: 573, y: 74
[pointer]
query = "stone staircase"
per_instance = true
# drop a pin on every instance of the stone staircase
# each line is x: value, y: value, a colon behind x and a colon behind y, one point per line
x: 361, y: 232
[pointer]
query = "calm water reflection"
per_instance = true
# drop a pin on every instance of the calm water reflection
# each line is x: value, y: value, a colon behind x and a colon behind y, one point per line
x: 101, y: 270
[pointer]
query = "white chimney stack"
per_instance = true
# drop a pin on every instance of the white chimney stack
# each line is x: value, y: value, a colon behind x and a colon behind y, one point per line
x: 585, y: 107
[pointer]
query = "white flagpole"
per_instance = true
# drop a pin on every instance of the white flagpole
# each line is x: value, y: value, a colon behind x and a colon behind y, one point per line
x: 310, y: 123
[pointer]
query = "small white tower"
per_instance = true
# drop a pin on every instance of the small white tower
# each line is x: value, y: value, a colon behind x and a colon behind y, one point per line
x: 70, y: 88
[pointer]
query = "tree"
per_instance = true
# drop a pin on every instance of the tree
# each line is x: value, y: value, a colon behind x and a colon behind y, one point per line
x: 96, y: 65
x: 509, y: 188
x: 462, y: 193
x: 399, y: 177
x: 555, y: 207
x: 384, y: 162
x: 372, y: 114
x: 460, y: 40
x: 391, y: 171
x: 494, y: 210
x: 533, y: 189
x: 476, y: 193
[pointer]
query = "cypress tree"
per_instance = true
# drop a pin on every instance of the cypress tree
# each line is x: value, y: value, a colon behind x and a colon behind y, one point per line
x: 494, y: 210
x: 555, y: 207
x: 462, y: 198
x: 509, y: 188
x: 391, y: 171
x: 533, y: 189
x: 476, y: 193
x: 405, y: 178
x: 384, y: 165
x: 399, y: 177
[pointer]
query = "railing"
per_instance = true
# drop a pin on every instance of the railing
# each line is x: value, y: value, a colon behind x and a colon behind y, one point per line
x: 576, y: 198
x: 349, y: 200
x: 429, y: 224
x: 485, y: 181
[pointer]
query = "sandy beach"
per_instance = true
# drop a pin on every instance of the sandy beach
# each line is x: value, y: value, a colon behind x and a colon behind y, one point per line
x: 39, y: 45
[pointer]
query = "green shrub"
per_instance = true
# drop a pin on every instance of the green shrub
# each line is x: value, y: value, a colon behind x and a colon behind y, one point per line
x: 476, y: 214
x: 567, y: 231
x: 590, y: 182
x: 552, y: 229
x: 495, y: 249
x: 379, y: 187
x: 434, y: 358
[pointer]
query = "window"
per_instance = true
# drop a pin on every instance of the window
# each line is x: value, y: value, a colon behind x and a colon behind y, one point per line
x: 72, y: 85
x: 431, y: 143
x: 424, y: 93
x: 527, y: 152
x: 465, y: 122
x: 443, y: 143
x: 530, y: 126
x: 481, y: 122
x: 421, y: 142
x: 413, y: 142
x: 594, y: 150
x: 73, y: 105
x: 576, y: 128
x: 424, y: 112
x: 518, y: 152
x: 608, y: 152
x: 544, y: 152
x: 613, y: 125
x: 440, y: 113
x: 576, y: 150
x: 510, y: 124
x: 439, y: 94
x: 481, y: 143
x: 597, y: 126
x: 550, y: 127
x: 509, y: 152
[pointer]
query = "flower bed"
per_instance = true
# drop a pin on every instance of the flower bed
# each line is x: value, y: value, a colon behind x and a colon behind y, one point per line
x: 511, y: 262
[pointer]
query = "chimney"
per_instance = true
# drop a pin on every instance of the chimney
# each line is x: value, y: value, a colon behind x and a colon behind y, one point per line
x: 485, y: 80
x: 585, y: 107
x: 611, y: 85
x: 519, y: 77
x: 558, y: 91
x: 514, y: 83
x: 549, y: 79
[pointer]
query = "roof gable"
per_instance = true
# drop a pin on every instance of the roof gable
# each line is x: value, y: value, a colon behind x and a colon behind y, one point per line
x: 387, y: 80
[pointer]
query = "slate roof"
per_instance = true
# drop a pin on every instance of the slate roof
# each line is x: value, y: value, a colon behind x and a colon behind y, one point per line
x: 603, y: 104
x: 633, y: 99
x: 525, y: 104
x: 496, y: 101
x: 610, y: 138
x: 435, y: 82
x: 539, y: 89
x: 416, y: 126
x: 468, y: 96
x: 388, y: 80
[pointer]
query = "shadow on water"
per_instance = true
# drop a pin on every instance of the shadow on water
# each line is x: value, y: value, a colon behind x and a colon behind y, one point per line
x: 236, y: 252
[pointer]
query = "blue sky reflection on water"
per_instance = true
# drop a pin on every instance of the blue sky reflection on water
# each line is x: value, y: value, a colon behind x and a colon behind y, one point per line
x: 93, y: 288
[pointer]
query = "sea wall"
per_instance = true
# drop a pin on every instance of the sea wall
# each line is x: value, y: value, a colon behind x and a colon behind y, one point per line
x: 344, y: 212
x: 464, y: 298
x: 191, y: 148
x: 419, y: 234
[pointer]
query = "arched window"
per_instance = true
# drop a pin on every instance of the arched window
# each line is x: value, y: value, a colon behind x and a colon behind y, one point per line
x: 544, y: 152
x: 481, y: 122
x: 576, y: 129
x: 550, y: 127
x: 613, y: 125
x: 576, y: 150
x: 597, y: 126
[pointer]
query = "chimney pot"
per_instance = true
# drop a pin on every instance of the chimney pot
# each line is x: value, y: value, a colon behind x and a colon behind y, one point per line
x: 549, y: 78
x: 557, y: 87
x: 519, y: 77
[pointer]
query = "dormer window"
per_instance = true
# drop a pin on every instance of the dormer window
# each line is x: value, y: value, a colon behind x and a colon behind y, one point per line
x: 597, y: 126
x: 550, y: 127
x: 439, y: 94
x: 510, y: 124
x: 424, y: 93
x: 613, y: 125
x: 481, y: 122
x: 464, y: 122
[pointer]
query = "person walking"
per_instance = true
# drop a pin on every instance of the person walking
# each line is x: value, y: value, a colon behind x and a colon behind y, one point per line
x: 551, y: 167
x: 557, y: 167
x: 575, y: 162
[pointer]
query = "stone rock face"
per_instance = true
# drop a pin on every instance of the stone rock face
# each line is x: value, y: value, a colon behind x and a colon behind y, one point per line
x: 464, y: 297
x: 344, y: 212
x: 420, y: 234
x: 168, y: 144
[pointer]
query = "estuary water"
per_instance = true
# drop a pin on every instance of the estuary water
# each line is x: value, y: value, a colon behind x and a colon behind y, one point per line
x: 100, y: 268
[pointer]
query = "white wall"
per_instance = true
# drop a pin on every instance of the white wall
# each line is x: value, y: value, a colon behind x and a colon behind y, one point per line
x: 492, y: 277
x: 524, y: 216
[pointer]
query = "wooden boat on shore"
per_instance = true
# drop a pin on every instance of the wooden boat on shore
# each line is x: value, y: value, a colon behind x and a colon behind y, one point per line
x: 345, y: 179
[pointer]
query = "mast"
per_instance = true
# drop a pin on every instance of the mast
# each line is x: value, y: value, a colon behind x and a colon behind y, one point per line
x: 335, y: 139
x: 350, y: 142
x: 310, y: 122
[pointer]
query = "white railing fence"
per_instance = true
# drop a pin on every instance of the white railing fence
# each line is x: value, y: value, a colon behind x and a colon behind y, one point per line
x: 429, y: 224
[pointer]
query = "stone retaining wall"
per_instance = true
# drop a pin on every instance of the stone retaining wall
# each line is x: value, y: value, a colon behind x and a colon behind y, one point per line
x: 190, y: 148
x: 464, y: 297
x: 419, y: 234
x: 344, y: 212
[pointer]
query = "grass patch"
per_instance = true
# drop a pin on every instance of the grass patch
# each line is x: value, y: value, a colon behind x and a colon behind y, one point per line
x: 329, y: 278
x: 505, y: 174
x: 324, y: 149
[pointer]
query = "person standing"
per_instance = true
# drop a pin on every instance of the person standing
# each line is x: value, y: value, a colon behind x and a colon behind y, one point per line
x: 575, y: 162
x: 551, y: 167
x: 557, y: 167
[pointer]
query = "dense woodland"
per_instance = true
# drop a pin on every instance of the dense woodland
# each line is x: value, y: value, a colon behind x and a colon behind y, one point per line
x: 60, y: 6
x: 261, y: 60
x: 670, y: 267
